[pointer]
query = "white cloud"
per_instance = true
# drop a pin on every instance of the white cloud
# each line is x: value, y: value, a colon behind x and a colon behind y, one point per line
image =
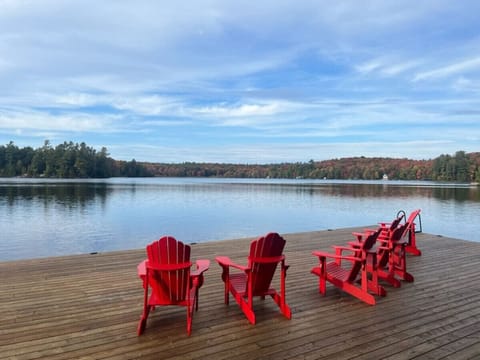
x: 395, y: 69
x: 268, y: 152
x: 240, y: 110
x: 16, y: 120
x: 369, y: 66
x: 75, y: 100
x: 386, y: 66
x: 148, y: 105
x: 465, y: 84
x: 455, y: 68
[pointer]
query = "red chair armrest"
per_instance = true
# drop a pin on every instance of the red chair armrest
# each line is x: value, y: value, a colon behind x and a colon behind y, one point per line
x: 322, y: 254
x: 226, y: 261
x: 340, y: 249
x: 202, y: 266
x: 365, y: 232
x: 142, y: 269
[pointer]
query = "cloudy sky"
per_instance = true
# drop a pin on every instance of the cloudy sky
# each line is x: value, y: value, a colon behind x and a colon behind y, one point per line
x: 242, y: 81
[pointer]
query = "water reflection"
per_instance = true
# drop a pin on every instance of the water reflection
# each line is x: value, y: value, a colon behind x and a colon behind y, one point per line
x: 457, y: 194
x: 463, y: 193
x: 68, y: 195
x: 74, y: 193
x: 67, y: 217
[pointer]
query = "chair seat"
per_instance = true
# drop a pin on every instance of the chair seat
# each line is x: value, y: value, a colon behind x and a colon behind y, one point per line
x: 337, y: 271
x: 156, y: 300
x: 333, y: 270
x: 239, y: 282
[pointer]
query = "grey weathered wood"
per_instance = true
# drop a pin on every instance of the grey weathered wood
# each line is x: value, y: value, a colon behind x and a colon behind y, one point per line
x: 88, y: 306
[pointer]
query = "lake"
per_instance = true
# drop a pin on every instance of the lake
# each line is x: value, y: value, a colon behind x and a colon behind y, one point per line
x: 46, y: 217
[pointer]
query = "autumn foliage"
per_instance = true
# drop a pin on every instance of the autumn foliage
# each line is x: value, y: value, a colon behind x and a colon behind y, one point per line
x: 459, y: 167
x: 69, y: 160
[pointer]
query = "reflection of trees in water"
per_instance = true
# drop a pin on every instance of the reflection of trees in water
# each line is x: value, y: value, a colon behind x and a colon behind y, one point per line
x: 459, y: 194
x: 342, y: 190
x: 82, y: 194
x: 67, y: 195
x: 373, y: 190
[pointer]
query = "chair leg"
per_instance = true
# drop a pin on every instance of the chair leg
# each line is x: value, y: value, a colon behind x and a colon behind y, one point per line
x: 389, y: 277
x: 226, y: 292
x: 374, y: 286
x: 284, y: 308
x: 401, y: 268
x: 280, y: 300
x: 196, y: 299
x: 321, y: 272
x: 399, y: 265
x: 143, y: 320
x: 411, y: 248
x: 359, y: 293
x: 190, y: 308
x: 387, y: 272
x: 146, y: 308
x: 248, y: 311
x: 370, y: 275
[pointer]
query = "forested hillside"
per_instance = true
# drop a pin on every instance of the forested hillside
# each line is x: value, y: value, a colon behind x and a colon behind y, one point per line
x: 459, y: 167
x: 69, y: 160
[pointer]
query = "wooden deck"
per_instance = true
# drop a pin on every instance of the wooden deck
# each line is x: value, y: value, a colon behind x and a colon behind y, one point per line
x: 88, y: 306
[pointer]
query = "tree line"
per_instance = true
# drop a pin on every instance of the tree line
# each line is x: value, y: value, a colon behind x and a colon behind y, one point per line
x: 66, y: 160
x: 73, y: 160
x: 461, y: 167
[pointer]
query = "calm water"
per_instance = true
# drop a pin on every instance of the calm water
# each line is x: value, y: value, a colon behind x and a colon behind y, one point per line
x: 50, y: 217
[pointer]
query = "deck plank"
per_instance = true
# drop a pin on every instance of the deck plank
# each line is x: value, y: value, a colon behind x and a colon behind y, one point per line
x: 87, y: 306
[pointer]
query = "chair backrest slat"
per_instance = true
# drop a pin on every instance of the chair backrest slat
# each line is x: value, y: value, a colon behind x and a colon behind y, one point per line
x: 169, y: 285
x: 270, y: 245
x: 366, y: 245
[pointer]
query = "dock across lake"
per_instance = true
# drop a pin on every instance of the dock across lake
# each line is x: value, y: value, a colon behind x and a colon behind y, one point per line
x: 88, y: 307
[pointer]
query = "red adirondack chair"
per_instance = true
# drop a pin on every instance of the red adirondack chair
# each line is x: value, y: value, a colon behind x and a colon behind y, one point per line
x: 392, y: 260
x: 411, y: 247
x: 363, y: 268
x: 410, y: 230
x: 255, y: 278
x: 388, y: 228
x: 391, y: 255
x: 167, y: 273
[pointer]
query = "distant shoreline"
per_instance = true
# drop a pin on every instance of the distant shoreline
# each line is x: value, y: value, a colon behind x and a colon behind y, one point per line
x: 72, y: 160
x: 380, y: 181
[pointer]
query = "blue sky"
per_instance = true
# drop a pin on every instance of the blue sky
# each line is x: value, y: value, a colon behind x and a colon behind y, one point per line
x: 242, y: 81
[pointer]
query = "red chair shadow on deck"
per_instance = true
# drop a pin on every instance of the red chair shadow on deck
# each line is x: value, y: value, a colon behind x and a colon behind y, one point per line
x: 167, y: 273
x: 255, y: 278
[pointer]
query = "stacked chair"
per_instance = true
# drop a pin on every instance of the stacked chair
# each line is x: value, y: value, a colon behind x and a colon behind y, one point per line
x: 411, y: 247
x: 353, y: 269
x: 374, y: 255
